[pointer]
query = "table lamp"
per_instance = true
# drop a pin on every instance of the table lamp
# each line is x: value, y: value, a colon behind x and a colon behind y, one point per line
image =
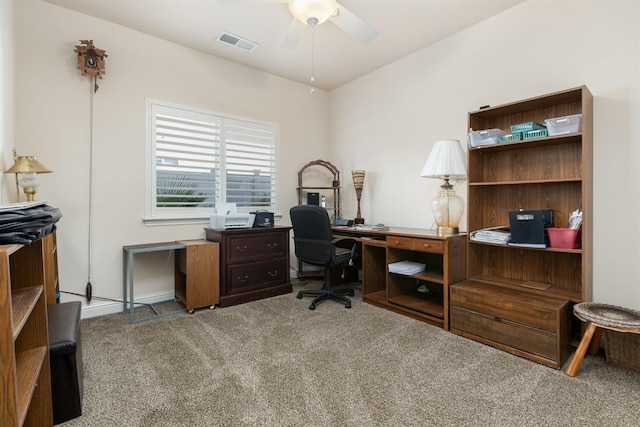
x: 447, y: 160
x: 26, y: 169
x: 358, y: 184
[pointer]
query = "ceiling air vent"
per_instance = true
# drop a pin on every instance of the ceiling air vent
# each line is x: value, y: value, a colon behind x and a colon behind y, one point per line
x: 236, y: 41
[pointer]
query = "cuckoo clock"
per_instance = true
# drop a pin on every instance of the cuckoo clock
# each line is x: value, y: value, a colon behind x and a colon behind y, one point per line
x: 91, y: 61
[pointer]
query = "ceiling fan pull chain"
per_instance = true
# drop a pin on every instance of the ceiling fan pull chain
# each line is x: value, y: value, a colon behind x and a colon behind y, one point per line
x: 312, y: 80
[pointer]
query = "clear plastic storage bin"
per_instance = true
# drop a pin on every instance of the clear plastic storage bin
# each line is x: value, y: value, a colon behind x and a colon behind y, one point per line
x: 564, y: 125
x: 484, y: 137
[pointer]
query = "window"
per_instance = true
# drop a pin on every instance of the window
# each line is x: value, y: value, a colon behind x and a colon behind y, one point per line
x: 198, y: 159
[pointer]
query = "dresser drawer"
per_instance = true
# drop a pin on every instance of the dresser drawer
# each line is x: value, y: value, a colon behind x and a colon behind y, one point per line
x: 523, y: 307
x: 422, y: 245
x: 248, y: 247
x: 521, y: 337
x: 256, y: 275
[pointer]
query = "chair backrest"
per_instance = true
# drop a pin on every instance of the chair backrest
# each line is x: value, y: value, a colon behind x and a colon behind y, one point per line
x: 312, y: 234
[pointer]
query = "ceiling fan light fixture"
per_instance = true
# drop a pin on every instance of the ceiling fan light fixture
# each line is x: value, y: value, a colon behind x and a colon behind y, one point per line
x: 312, y: 12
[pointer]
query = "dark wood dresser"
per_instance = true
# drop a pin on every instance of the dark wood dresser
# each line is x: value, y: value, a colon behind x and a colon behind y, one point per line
x: 254, y: 263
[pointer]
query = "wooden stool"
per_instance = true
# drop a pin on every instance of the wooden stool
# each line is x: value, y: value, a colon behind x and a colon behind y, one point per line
x: 599, y: 317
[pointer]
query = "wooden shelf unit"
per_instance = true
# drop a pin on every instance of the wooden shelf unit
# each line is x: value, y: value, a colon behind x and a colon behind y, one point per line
x: 52, y: 284
x: 24, y: 349
x: 321, y: 169
x: 318, y: 171
x: 553, y: 173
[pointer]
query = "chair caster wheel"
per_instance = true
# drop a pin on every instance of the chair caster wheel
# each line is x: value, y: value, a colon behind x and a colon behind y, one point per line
x: 351, y: 293
x: 299, y: 296
x: 347, y: 305
x: 312, y: 307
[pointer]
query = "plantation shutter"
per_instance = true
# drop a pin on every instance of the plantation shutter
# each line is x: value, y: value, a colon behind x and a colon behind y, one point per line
x: 187, y: 159
x: 250, y: 163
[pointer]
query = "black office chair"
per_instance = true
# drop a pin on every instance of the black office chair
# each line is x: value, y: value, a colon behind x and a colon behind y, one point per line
x: 315, y: 245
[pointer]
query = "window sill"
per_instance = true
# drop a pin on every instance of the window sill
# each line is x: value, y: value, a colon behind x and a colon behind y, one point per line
x: 155, y: 222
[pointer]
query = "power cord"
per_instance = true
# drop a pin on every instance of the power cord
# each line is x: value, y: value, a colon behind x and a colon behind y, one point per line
x: 107, y: 299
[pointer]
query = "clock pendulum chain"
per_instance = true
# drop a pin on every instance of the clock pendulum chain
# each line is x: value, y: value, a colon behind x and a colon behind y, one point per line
x: 89, y: 288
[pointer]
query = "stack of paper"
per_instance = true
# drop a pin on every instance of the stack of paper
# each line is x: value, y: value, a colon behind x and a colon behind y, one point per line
x: 406, y: 267
x: 499, y: 235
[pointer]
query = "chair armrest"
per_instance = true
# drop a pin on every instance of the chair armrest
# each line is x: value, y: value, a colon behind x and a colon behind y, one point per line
x: 343, y: 240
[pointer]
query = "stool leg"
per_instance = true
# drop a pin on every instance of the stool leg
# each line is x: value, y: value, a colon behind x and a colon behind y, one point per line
x: 594, y: 348
x: 572, y: 370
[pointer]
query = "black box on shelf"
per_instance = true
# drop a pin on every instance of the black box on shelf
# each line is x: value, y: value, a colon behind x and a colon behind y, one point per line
x: 530, y: 226
x: 313, y: 199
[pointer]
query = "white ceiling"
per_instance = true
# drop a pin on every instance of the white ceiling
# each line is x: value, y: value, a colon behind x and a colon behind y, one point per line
x: 404, y: 26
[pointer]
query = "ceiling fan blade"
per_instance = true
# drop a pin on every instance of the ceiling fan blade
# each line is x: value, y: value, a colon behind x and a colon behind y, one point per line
x: 353, y: 25
x: 293, y: 34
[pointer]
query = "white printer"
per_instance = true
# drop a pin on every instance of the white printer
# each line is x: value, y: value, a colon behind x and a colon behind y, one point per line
x: 227, y: 216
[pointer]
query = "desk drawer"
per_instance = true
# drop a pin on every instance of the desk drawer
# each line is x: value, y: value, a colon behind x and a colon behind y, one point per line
x: 247, y: 247
x: 422, y: 245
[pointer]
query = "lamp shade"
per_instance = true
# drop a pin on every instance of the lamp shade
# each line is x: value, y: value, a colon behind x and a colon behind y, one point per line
x: 25, y: 164
x: 447, y: 159
x: 312, y: 12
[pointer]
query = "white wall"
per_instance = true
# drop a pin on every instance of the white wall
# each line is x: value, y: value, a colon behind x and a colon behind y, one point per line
x: 52, y: 121
x: 6, y: 95
x: 387, y: 121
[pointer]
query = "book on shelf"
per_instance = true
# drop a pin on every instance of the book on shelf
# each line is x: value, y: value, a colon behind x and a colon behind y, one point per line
x: 406, y: 267
x: 528, y: 245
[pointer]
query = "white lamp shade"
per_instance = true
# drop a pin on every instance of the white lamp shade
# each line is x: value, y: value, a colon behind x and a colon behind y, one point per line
x: 447, y: 158
x: 312, y: 12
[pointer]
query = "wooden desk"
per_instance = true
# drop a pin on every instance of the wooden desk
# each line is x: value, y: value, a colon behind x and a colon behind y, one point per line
x: 423, y: 296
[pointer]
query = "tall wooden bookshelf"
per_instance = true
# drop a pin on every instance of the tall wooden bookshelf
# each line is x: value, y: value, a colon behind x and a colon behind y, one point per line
x: 507, y: 287
x: 24, y: 350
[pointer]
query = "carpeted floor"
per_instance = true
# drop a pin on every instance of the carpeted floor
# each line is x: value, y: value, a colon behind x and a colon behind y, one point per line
x: 275, y: 363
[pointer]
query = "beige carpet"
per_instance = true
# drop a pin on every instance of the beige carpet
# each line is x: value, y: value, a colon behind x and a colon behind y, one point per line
x: 275, y: 363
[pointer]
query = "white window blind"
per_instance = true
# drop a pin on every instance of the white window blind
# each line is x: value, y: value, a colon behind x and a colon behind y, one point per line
x: 199, y: 159
x: 250, y: 163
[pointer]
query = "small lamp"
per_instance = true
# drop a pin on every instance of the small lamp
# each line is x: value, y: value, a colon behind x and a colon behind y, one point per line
x: 358, y: 184
x: 447, y: 160
x: 26, y: 169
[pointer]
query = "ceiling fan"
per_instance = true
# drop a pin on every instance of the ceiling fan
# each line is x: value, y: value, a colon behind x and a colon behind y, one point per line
x: 309, y: 13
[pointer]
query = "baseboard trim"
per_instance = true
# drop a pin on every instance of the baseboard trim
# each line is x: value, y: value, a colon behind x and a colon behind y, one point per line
x: 101, y: 308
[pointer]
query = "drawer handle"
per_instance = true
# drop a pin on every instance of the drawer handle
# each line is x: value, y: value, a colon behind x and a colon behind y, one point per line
x: 272, y: 245
x: 396, y: 243
x: 243, y: 279
x: 273, y: 273
x: 426, y: 245
x: 241, y: 249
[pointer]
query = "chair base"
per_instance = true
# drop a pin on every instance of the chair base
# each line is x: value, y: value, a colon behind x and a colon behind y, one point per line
x: 322, y: 294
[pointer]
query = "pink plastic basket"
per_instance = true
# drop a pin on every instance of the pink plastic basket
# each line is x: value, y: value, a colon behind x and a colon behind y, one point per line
x: 564, y: 238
